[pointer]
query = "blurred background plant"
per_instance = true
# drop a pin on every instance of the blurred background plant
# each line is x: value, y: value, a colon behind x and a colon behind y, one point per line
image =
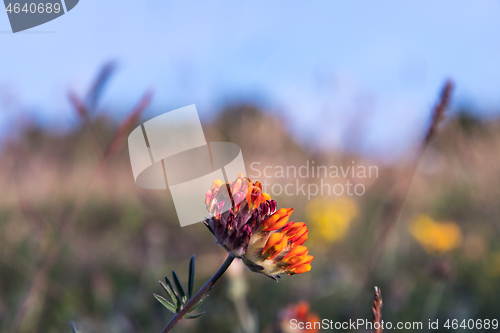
x: 328, y: 81
x: 73, y: 193
x: 435, y: 237
x: 330, y: 218
x: 301, y: 312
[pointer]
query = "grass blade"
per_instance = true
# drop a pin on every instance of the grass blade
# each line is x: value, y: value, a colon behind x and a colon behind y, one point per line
x: 100, y: 83
x: 191, y: 278
x: 178, y: 285
x: 166, y: 303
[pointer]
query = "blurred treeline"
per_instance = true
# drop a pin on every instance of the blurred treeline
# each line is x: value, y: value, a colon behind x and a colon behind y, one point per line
x: 441, y: 260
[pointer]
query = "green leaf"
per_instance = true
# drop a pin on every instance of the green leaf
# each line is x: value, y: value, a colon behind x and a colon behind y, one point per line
x: 166, y: 303
x: 191, y: 278
x: 197, y: 305
x: 178, y: 285
x: 75, y: 330
x: 193, y: 316
x: 171, y: 293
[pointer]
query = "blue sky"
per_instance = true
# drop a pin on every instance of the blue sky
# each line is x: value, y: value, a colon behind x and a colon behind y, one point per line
x: 320, y: 64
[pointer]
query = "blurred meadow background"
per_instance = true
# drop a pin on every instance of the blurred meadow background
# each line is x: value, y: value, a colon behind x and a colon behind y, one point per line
x: 289, y: 82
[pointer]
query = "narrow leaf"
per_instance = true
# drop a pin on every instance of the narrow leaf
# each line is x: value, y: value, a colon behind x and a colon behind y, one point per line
x: 178, y: 285
x: 170, y: 290
x: 193, y: 316
x: 166, y: 303
x: 191, y: 278
x: 197, y: 305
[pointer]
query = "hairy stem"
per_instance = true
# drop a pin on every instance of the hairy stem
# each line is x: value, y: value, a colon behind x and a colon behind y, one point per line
x: 178, y: 316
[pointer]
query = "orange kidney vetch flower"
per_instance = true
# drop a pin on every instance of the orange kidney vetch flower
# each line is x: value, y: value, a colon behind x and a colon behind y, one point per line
x: 246, y: 223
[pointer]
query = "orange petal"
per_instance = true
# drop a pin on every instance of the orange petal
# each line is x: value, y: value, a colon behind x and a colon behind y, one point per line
x: 295, y: 230
x: 278, y: 220
x: 275, y: 244
x: 296, y: 251
x: 236, y: 186
x: 308, y: 260
x: 217, y: 183
x: 287, y: 227
x: 270, y: 221
x: 254, y: 197
x: 301, y: 269
x: 266, y: 196
x: 299, y: 261
x: 301, y: 239
x: 208, y: 197
x: 296, y: 261
x: 292, y: 225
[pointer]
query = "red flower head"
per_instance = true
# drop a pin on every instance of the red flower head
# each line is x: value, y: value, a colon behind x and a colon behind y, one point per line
x: 247, y: 224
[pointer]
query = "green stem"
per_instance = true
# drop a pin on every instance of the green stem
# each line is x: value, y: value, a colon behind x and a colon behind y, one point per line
x: 179, y: 315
